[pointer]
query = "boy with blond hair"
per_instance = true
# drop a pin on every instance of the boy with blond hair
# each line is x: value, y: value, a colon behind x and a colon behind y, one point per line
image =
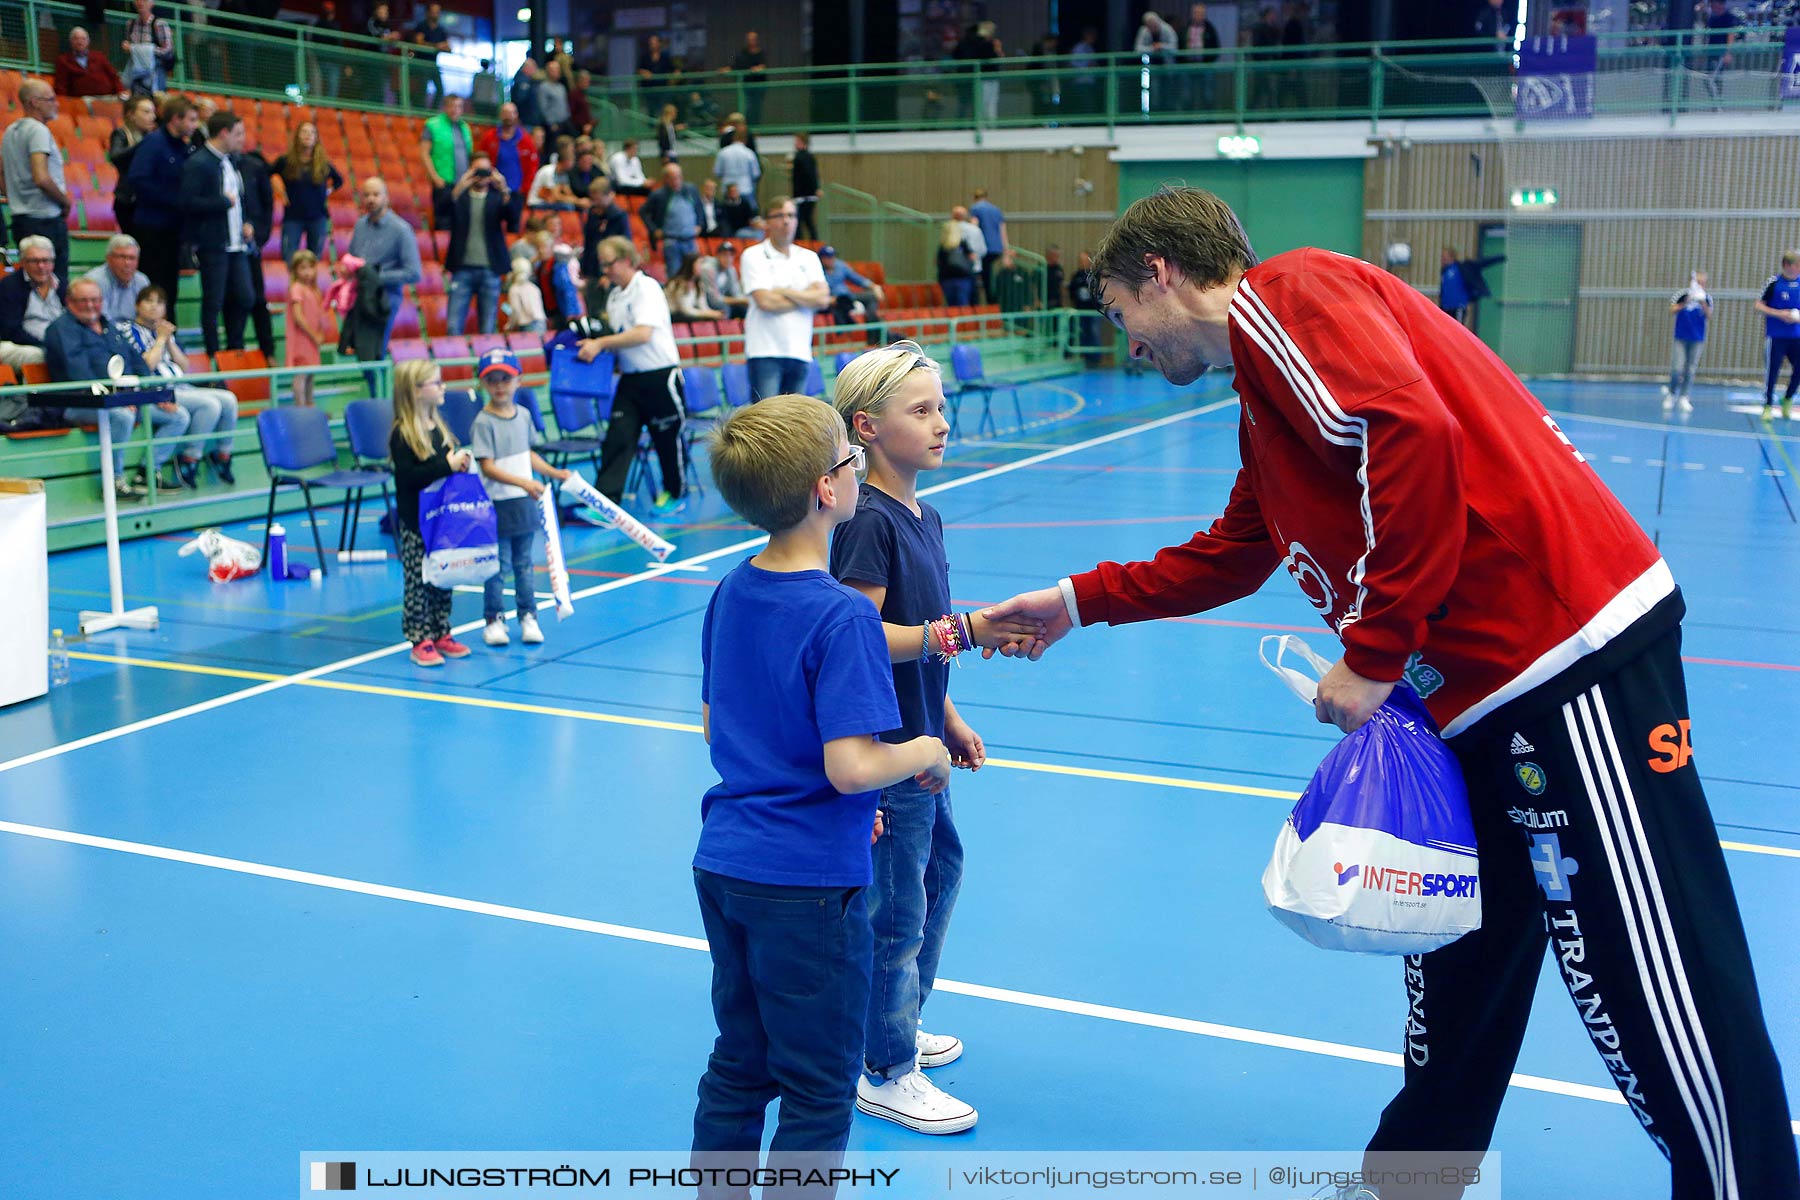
x: 795, y: 689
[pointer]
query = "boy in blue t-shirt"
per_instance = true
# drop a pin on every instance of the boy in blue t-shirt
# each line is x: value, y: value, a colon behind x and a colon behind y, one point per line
x: 1780, y: 307
x: 795, y: 689
x: 1691, y: 307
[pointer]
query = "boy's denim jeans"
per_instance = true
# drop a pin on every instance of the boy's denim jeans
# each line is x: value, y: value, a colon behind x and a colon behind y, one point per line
x: 918, y: 872
x: 790, y: 987
x: 515, y: 560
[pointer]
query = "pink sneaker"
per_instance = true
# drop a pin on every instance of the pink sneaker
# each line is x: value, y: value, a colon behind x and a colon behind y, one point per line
x: 449, y: 647
x: 425, y: 654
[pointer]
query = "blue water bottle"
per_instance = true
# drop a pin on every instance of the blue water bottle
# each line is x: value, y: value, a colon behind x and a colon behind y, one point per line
x: 278, y: 563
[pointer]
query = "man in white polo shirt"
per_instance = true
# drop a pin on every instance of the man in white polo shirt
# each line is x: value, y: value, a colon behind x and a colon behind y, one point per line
x: 649, y: 392
x: 786, y: 286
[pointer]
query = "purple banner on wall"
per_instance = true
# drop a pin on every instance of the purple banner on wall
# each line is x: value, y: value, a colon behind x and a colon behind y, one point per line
x: 1556, y: 78
x: 1790, y: 64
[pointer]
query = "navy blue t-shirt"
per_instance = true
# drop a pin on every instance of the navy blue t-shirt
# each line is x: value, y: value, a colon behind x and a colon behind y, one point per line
x: 791, y: 660
x: 1781, y: 292
x: 1452, y: 293
x: 884, y: 544
x: 1690, y: 319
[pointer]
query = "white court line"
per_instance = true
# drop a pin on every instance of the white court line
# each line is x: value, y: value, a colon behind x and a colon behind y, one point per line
x: 613, y: 585
x: 1079, y: 1008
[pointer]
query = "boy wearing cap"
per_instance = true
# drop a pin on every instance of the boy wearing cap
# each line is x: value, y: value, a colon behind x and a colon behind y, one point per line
x: 848, y: 287
x: 501, y: 442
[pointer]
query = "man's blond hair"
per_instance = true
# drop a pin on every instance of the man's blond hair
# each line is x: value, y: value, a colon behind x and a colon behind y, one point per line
x: 767, y: 456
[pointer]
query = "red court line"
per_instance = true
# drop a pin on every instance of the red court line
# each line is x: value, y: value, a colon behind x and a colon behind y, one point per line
x: 963, y: 462
x: 1732, y: 662
x: 1187, y: 519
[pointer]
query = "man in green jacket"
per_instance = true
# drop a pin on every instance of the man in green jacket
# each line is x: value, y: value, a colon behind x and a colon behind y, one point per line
x: 446, y: 149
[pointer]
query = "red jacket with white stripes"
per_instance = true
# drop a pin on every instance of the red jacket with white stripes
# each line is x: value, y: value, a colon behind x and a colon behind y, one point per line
x: 1425, y: 502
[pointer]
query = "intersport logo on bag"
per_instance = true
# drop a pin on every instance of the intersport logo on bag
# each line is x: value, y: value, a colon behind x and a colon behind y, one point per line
x: 1401, y: 882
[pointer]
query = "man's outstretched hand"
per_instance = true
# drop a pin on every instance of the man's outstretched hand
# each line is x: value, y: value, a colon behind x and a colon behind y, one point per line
x: 1044, y: 606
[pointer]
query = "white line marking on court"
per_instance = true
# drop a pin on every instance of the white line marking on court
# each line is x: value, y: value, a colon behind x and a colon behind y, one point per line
x: 613, y: 585
x: 1732, y: 470
x: 1687, y: 466
x: 1079, y: 1008
x: 1620, y: 458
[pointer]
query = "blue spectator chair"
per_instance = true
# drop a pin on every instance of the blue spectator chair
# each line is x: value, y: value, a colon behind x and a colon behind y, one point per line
x: 965, y: 364
x: 368, y: 424
x: 294, y: 441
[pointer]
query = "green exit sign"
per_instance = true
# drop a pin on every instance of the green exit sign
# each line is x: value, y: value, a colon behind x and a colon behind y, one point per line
x: 1534, y: 198
x: 1239, y: 145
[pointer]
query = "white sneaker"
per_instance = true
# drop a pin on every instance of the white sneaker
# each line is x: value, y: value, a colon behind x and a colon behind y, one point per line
x: 1687, y: 405
x: 937, y: 1049
x: 495, y: 634
x: 915, y: 1102
x: 529, y: 633
x: 1668, y: 398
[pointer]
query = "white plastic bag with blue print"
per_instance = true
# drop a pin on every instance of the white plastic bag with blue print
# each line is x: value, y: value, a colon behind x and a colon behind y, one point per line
x: 1378, y: 857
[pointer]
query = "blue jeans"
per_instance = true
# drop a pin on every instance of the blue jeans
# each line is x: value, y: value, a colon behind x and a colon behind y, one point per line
x: 958, y: 292
x: 918, y: 872
x: 209, y: 410
x: 776, y: 377
x: 677, y: 251
x: 515, y: 560
x: 790, y: 987
x: 162, y: 424
x: 474, y: 285
x: 315, y: 233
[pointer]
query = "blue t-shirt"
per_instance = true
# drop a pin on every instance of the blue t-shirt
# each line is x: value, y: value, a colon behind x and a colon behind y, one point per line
x: 1452, y: 294
x: 1781, y: 293
x: 987, y: 214
x: 790, y: 661
x: 886, y: 545
x: 1690, y: 320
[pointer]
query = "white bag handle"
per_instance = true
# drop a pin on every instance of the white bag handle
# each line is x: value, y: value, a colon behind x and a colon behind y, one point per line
x: 1298, y: 682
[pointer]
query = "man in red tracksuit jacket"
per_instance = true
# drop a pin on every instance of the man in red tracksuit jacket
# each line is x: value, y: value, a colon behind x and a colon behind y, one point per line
x: 1431, y: 510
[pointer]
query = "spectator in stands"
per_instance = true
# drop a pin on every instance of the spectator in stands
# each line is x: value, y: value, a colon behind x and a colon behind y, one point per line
x: 980, y: 46
x: 668, y: 134
x: 976, y: 240
x: 1014, y: 288
x: 484, y: 90
x: 477, y: 254
x: 749, y: 65
x: 1265, y: 36
x: 432, y: 39
x: 328, y: 31
x: 1083, y: 296
x: 686, y: 294
x: 259, y: 227
x: 1294, y: 37
x: 210, y: 410
x: 553, y: 101
x: 1156, y: 45
x: 445, y: 149
x: 736, y: 163
x: 583, y: 173
x: 524, y: 93
x: 31, y: 167
x: 1084, y: 88
x: 1462, y: 284
x: 987, y: 215
x: 150, y: 47
x: 514, y: 153
x: 138, y: 120
x: 710, y: 209
x: 1723, y: 29
x: 728, y: 284
x: 308, y: 322
x: 850, y: 288
x: 1203, y: 46
x: 550, y: 189
x: 672, y: 214
x: 806, y: 186
x: 649, y: 394
x: 385, y: 243
x: 84, y: 70
x: 786, y: 286
x: 524, y: 300
x: 309, y: 179
x: 581, y: 109
x: 737, y: 217
x: 734, y: 124
x: 1053, y: 277
x: 206, y: 107
x: 627, y: 171
x: 957, y: 264
x: 1494, y: 22
x: 77, y: 346
x: 119, y: 278
x: 217, y: 227
x: 30, y: 299
x: 657, y: 70
x: 156, y: 186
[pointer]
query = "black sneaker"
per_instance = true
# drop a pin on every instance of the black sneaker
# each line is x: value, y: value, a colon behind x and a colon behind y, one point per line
x: 187, y: 471
x: 222, y: 468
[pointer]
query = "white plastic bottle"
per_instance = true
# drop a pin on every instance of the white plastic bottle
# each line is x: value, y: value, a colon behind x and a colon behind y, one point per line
x: 59, y: 659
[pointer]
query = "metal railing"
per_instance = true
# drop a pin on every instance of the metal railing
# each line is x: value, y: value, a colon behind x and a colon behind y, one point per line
x: 1361, y: 81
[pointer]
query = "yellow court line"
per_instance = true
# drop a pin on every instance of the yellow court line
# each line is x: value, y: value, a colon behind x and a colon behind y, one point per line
x: 1013, y: 764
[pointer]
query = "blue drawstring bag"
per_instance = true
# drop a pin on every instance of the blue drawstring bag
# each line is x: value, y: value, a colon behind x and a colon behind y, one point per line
x: 461, y: 534
x: 1378, y: 857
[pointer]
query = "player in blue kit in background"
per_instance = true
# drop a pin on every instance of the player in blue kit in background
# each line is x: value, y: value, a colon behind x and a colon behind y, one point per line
x: 892, y: 551
x: 1780, y: 307
x: 795, y: 686
x: 1691, y: 307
